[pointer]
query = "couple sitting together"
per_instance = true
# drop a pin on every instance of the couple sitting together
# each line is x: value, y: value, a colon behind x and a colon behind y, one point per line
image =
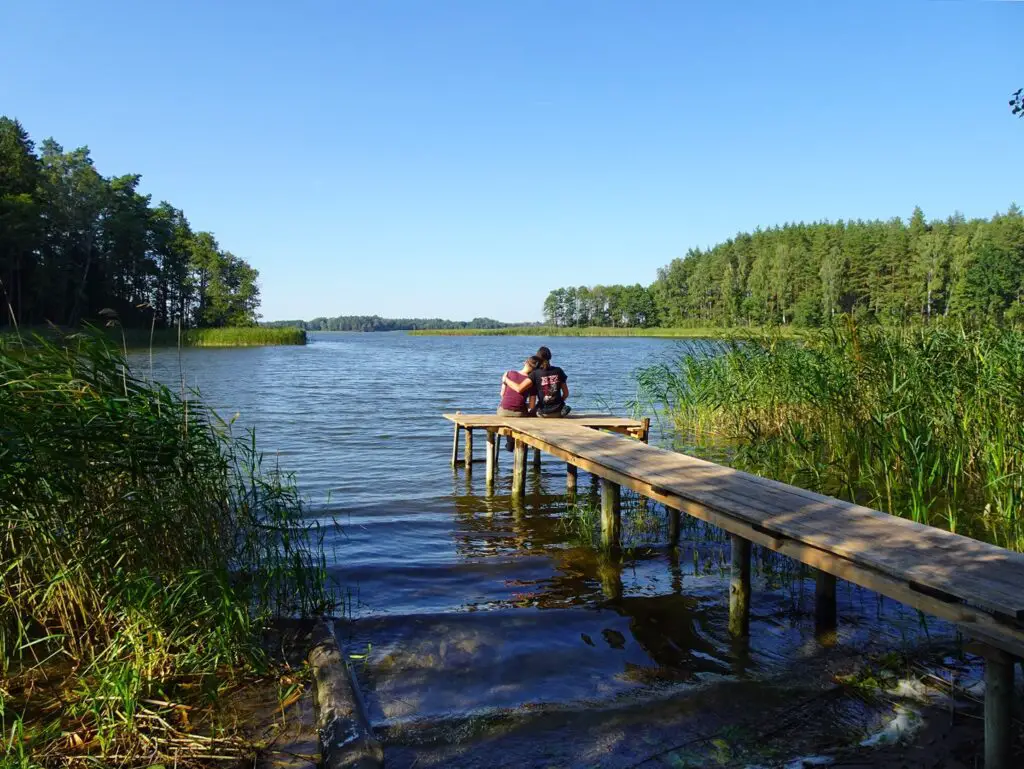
x: 538, y: 389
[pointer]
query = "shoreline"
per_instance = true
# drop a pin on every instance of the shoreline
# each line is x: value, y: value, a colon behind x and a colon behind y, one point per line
x: 725, y: 332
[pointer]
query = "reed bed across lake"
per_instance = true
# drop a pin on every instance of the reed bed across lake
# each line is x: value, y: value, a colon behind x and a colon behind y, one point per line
x: 730, y: 332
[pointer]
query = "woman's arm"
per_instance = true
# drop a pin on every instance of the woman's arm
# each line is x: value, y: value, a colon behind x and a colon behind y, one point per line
x: 519, y: 387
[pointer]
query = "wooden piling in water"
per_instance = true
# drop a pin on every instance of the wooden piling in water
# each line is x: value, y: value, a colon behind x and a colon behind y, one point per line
x: 998, y: 708
x: 739, y: 587
x: 536, y: 458
x: 455, y: 446
x: 611, y: 513
x: 570, y: 479
x: 825, y: 607
x: 674, y: 520
x: 519, y: 470
x: 491, y: 457
x: 469, y: 448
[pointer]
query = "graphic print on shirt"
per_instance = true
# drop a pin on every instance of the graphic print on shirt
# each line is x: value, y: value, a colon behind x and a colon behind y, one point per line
x: 549, y: 386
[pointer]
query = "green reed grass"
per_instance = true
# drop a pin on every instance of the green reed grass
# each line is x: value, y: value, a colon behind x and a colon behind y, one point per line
x: 670, y: 333
x: 142, y: 550
x: 925, y: 423
x: 249, y: 336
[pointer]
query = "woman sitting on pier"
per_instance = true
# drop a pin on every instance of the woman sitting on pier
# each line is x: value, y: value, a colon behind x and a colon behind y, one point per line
x: 514, y: 387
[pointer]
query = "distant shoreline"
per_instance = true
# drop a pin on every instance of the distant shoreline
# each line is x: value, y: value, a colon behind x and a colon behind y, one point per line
x: 728, y: 332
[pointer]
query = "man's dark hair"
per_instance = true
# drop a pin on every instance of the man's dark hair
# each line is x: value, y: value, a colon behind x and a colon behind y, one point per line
x: 544, y: 354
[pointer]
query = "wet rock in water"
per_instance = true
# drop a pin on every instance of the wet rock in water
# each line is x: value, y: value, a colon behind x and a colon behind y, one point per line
x: 614, y: 638
x: 587, y: 639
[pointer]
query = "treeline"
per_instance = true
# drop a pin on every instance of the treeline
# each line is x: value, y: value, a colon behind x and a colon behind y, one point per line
x: 377, y: 323
x: 76, y: 245
x: 891, y: 271
x: 610, y: 306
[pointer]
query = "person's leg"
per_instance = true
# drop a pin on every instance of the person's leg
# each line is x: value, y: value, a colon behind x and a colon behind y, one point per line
x: 509, y: 442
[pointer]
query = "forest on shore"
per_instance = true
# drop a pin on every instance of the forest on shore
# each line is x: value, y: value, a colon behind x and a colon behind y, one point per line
x: 79, y: 246
x: 377, y: 323
x: 894, y: 272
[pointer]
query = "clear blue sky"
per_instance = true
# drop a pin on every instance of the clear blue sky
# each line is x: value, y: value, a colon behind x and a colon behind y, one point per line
x: 458, y: 159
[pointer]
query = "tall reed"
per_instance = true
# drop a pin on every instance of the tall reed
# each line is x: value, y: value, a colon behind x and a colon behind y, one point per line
x: 925, y: 423
x: 142, y: 550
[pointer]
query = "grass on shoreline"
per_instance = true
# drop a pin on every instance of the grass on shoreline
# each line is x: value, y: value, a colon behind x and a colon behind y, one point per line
x: 134, y: 338
x: 731, y: 332
x: 143, y: 550
x: 248, y: 336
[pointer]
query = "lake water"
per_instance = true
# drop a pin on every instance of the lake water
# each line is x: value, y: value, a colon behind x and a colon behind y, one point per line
x: 491, y: 633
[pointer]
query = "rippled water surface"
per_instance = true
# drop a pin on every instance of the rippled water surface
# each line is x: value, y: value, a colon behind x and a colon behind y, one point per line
x: 493, y: 633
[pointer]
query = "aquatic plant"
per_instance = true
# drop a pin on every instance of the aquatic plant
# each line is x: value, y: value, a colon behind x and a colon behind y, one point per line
x: 925, y: 423
x: 143, y: 547
x: 696, y: 332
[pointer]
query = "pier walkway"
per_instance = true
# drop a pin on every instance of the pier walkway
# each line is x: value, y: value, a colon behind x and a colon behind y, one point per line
x: 977, y: 586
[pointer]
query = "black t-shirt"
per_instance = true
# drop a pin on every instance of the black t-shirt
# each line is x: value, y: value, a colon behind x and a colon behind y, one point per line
x: 547, y: 384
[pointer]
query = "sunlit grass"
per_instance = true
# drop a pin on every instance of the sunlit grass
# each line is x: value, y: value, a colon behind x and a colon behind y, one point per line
x: 249, y: 336
x: 923, y: 423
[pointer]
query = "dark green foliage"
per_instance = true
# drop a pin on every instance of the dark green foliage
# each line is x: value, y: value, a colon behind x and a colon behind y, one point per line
x: 1017, y: 102
x: 893, y: 272
x: 74, y: 243
x: 142, y: 550
x: 925, y: 423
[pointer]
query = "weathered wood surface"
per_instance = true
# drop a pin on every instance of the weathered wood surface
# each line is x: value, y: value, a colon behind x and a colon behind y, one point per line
x: 598, y: 421
x: 971, y: 583
x: 586, y: 420
x: 931, y: 559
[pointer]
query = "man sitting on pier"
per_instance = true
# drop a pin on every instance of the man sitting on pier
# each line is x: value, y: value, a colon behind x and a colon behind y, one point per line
x: 549, y: 388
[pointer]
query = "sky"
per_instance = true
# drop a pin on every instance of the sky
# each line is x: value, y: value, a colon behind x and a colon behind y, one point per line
x: 431, y: 158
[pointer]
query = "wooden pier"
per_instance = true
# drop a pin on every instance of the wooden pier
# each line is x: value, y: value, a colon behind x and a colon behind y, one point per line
x: 977, y: 586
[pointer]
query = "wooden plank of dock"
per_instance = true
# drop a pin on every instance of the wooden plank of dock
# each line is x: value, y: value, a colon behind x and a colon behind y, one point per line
x: 935, y: 560
x: 977, y: 586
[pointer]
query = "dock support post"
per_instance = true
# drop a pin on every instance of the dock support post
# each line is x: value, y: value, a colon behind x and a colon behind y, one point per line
x: 674, y: 517
x: 519, y: 470
x: 491, y: 442
x: 455, y: 446
x: 646, y: 429
x: 611, y: 513
x: 825, y: 607
x: 998, y: 708
x: 739, y: 588
x: 570, y: 479
x: 536, y: 458
x: 469, y: 448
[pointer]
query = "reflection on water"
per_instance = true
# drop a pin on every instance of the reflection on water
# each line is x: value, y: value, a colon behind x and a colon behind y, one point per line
x: 476, y: 613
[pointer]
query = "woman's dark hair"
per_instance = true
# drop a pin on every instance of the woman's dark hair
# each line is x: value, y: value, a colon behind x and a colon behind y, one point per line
x: 545, y: 356
x: 534, y: 361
